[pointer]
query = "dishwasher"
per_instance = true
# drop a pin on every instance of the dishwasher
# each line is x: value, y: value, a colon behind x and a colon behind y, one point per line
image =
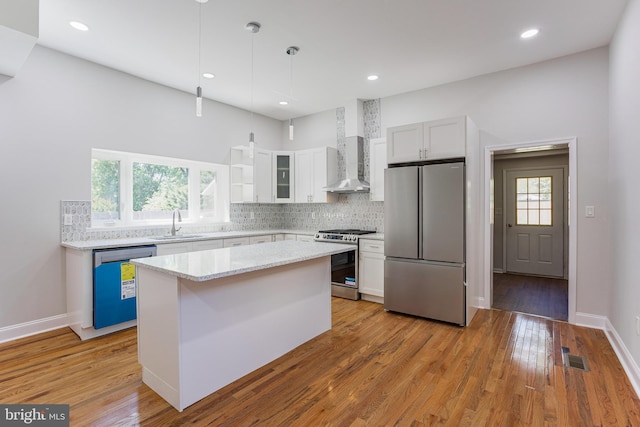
x: 114, y: 284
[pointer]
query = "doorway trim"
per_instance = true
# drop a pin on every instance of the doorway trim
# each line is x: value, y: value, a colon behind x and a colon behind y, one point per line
x: 489, y: 150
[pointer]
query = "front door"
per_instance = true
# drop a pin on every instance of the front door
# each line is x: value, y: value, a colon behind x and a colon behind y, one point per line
x: 535, y: 221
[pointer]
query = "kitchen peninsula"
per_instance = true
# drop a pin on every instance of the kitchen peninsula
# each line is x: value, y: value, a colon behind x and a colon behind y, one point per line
x: 207, y: 318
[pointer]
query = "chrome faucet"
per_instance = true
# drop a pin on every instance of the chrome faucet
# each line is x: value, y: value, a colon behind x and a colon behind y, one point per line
x: 173, y: 222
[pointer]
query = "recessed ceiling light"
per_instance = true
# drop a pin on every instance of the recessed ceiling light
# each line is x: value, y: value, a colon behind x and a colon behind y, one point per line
x: 372, y: 77
x: 284, y: 103
x: 79, y: 26
x: 530, y: 33
x: 208, y: 75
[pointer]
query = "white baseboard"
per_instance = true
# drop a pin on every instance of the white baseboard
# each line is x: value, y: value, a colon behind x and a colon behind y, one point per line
x: 13, y: 332
x: 591, y: 321
x: 626, y: 360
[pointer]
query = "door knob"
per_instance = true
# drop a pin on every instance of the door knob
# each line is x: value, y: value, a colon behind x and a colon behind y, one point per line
x: 509, y: 225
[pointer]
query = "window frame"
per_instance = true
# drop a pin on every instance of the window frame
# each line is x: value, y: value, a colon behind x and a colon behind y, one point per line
x: 127, y: 159
x: 538, y: 209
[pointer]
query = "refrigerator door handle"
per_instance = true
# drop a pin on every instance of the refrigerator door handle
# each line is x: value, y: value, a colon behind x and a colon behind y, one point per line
x: 420, y: 215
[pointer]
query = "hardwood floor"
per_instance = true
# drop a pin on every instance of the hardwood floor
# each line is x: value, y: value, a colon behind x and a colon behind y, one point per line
x: 374, y: 368
x: 541, y: 296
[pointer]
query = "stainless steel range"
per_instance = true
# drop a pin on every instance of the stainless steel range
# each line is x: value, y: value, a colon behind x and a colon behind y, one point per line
x: 344, y: 266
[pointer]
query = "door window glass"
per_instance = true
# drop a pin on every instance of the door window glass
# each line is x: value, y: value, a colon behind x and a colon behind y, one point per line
x: 533, y: 201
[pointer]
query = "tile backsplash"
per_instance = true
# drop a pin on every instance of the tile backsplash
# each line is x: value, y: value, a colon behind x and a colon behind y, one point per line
x: 349, y: 211
x: 80, y: 212
x: 80, y: 230
x: 353, y: 210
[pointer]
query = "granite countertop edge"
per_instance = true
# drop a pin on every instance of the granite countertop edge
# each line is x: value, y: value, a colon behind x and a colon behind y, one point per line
x: 243, y: 259
x: 150, y: 240
x: 143, y: 241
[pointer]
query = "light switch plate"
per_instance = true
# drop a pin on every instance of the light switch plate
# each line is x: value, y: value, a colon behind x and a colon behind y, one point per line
x: 589, y: 211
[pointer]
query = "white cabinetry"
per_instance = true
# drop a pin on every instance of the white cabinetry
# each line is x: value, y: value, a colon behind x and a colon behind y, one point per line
x: 283, y: 173
x: 251, y: 177
x: 371, y: 270
x: 315, y: 168
x: 241, y: 170
x: 173, y: 248
x: 238, y: 241
x: 182, y: 247
x: 262, y: 176
x: 377, y: 165
x: 254, y: 240
x: 282, y: 176
x: 205, y: 245
x: 404, y: 143
x: 437, y: 139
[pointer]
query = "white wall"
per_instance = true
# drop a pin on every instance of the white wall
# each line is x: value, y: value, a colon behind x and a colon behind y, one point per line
x: 624, y: 153
x: 554, y: 99
x: 51, y: 114
x: 315, y: 130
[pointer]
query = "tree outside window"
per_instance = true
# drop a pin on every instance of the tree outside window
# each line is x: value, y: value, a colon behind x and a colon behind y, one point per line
x: 135, y: 189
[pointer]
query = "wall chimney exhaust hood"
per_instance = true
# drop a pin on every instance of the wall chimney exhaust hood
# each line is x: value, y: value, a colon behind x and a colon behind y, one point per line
x: 354, y: 162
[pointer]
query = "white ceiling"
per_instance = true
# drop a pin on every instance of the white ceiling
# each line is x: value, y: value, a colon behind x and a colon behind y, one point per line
x: 410, y: 44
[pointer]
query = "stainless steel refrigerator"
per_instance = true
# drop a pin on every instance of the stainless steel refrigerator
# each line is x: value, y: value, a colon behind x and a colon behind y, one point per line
x: 424, y: 241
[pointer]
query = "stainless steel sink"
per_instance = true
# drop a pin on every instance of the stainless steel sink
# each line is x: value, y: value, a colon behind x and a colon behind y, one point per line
x: 176, y: 237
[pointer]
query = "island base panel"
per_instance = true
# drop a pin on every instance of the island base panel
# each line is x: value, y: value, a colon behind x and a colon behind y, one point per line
x: 230, y: 326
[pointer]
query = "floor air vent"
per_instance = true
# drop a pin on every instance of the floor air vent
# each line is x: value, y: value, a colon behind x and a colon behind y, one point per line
x: 573, y: 361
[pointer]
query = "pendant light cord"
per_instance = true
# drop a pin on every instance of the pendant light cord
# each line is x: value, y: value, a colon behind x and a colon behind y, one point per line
x: 251, y: 124
x: 199, y: 41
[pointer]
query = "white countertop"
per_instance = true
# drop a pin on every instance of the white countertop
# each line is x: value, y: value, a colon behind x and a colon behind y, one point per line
x: 150, y: 240
x: 215, y: 263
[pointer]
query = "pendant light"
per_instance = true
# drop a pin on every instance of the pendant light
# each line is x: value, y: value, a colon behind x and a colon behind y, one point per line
x: 253, y: 28
x: 291, y: 51
x: 199, y: 89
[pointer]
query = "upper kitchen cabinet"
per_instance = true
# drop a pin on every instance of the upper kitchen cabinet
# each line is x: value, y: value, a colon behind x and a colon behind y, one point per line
x: 241, y: 169
x: 438, y: 139
x: 377, y: 165
x: 262, y: 176
x: 315, y: 169
x: 251, y: 176
x: 405, y: 143
x: 283, y: 173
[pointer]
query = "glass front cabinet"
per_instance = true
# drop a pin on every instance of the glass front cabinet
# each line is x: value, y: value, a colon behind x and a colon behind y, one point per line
x: 283, y: 169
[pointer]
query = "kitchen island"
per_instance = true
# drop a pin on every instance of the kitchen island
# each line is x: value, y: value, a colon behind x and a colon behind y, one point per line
x: 207, y: 318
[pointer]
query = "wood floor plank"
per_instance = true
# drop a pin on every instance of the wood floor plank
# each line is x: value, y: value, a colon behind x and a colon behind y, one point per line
x: 373, y: 368
x: 542, y: 296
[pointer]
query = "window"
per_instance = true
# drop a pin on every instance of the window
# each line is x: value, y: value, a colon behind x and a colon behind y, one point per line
x: 137, y: 189
x: 533, y: 201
